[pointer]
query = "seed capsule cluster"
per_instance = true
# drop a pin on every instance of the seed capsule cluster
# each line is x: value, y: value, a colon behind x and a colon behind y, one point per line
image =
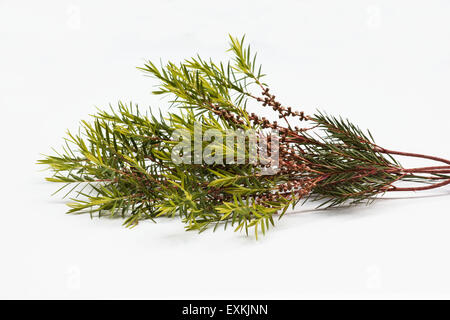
x: 290, y: 164
x: 269, y: 100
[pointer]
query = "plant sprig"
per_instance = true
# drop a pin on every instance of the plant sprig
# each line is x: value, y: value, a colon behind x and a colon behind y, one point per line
x: 121, y: 162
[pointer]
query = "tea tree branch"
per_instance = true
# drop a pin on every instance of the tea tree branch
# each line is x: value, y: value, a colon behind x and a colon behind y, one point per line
x: 145, y: 166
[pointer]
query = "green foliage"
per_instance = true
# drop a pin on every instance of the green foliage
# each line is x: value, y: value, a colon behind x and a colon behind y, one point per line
x: 354, y: 171
x: 120, y: 162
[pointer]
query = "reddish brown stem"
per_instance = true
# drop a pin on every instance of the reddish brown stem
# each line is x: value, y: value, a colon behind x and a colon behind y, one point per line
x: 437, y: 171
x: 416, y: 155
x: 433, y: 186
x: 431, y: 172
x: 429, y: 168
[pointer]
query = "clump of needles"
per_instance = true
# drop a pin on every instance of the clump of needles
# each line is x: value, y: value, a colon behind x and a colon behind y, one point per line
x: 121, y: 162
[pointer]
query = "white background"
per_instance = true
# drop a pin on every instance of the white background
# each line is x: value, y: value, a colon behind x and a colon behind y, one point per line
x: 383, y: 64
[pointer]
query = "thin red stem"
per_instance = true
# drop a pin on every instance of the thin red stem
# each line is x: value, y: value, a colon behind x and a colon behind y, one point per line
x: 433, y: 186
x: 416, y: 155
x: 430, y: 168
x: 438, y: 171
